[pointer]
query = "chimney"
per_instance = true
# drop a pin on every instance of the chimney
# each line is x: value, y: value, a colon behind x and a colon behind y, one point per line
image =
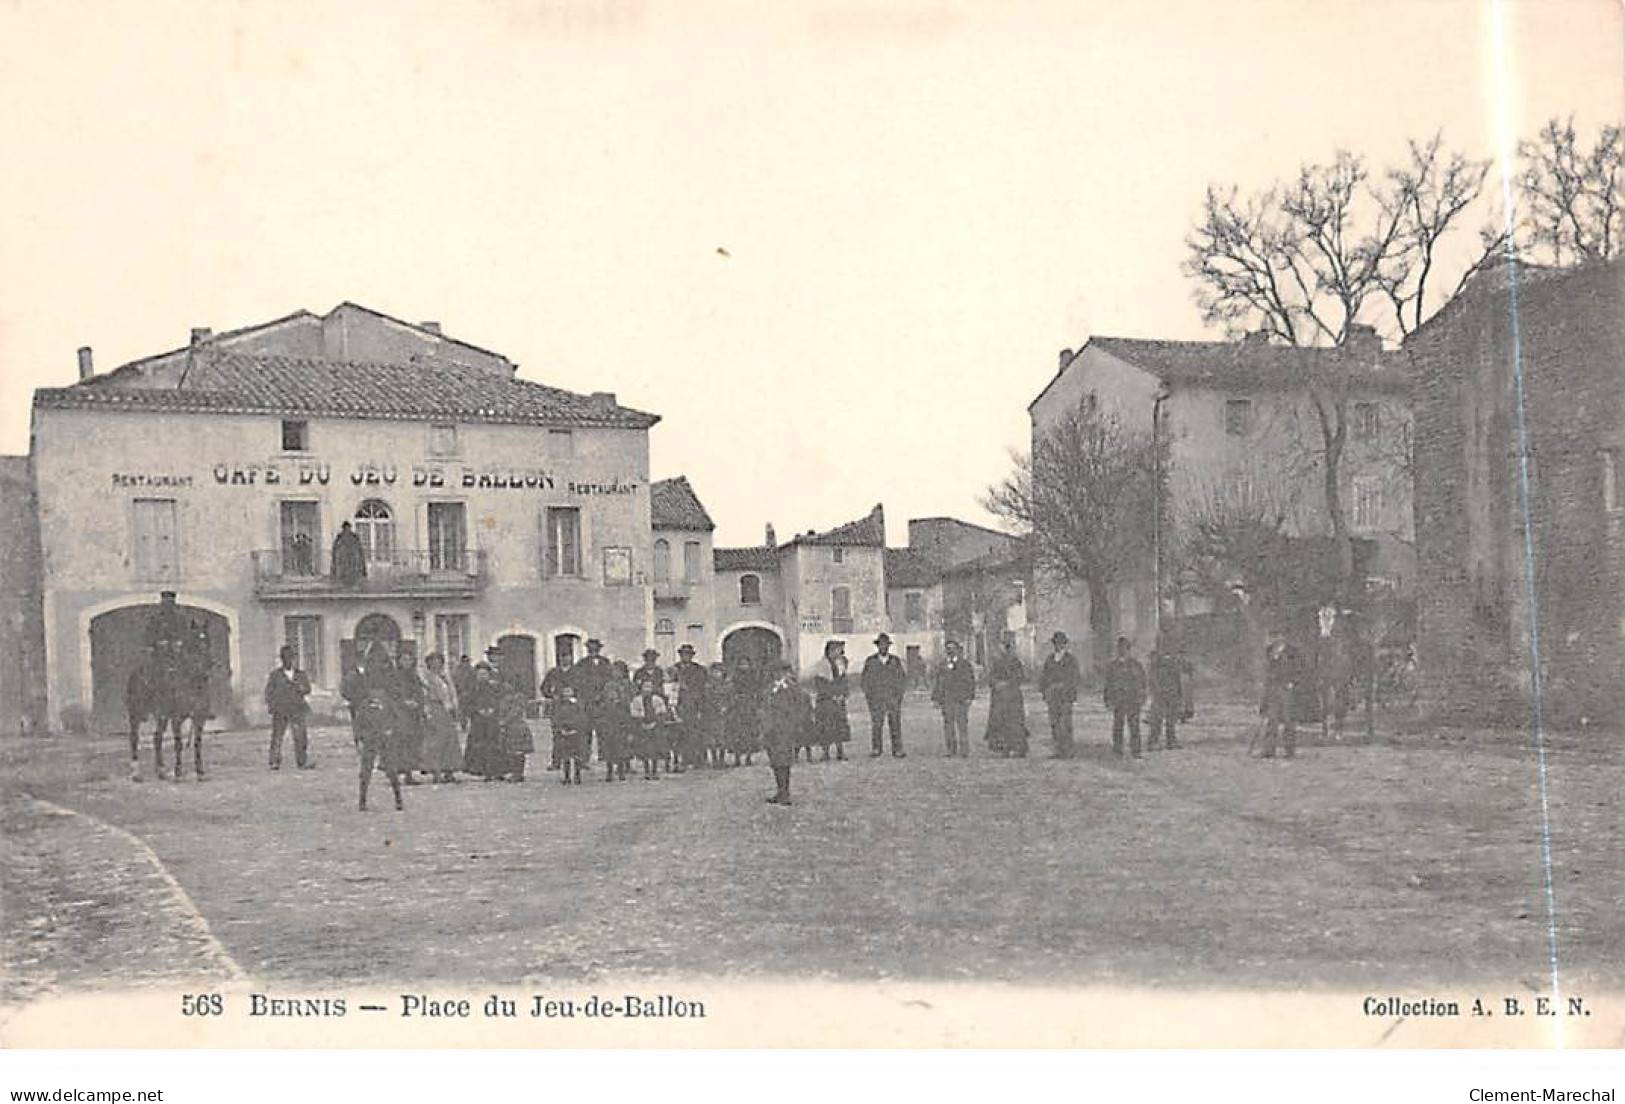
x: 770, y: 538
x: 1256, y: 337
x: 86, y: 367
x: 604, y: 400
x: 1066, y: 358
x: 200, y: 334
x: 432, y: 327
x: 1362, y: 340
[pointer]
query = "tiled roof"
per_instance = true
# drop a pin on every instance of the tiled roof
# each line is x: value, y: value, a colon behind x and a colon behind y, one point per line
x: 674, y: 505
x: 908, y: 567
x: 868, y: 531
x: 1254, y: 363
x: 232, y: 383
x: 745, y: 559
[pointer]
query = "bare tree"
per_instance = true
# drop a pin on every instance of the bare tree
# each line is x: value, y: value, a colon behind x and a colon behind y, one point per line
x: 1086, y: 495
x: 1312, y: 262
x: 1231, y: 537
x: 1571, y: 199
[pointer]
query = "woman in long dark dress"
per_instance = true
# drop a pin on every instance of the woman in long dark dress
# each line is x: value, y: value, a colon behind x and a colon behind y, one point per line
x: 830, y: 722
x: 483, y: 755
x: 745, y: 712
x: 1007, y: 712
x: 615, y: 723
x: 514, y: 732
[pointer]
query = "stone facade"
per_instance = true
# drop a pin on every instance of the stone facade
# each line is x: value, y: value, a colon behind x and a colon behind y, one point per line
x: 23, y: 707
x: 1238, y: 420
x: 1519, y: 388
x: 494, y: 513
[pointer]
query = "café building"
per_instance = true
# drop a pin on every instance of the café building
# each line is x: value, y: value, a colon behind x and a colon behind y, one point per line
x: 488, y: 510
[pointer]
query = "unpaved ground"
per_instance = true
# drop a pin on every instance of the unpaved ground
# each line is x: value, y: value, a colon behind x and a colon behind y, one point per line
x: 1413, y: 859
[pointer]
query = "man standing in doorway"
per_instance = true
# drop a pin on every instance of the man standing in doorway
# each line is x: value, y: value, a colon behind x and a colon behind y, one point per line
x: 884, y: 680
x: 955, y: 688
x: 1125, y: 694
x: 285, y: 693
x: 1058, y: 684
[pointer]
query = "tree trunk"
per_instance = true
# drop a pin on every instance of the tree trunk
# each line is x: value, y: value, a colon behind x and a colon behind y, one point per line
x: 1334, y: 433
x: 1100, y: 624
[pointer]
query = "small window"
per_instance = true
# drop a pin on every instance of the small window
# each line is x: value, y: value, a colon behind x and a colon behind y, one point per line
x: 662, y: 560
x: 1018, y: 593
x: 295, y: 436
x: 443, y: 440
x: 1091, y: 403
x: 914, y: 609
x: 561, y: 442
x: 1238, y: 417
x: 750, y: 590
x: 691, y: 561
x: 665, y: 627
x: 563, y: 540
x: 1367, y: 421
x: 1367, y: 502
x: 838, y: 555
x: 1610, y: 479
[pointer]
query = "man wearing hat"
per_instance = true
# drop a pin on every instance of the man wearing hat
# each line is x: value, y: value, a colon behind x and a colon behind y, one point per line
x: 691, y: 692
x: 1058, y: 684
x: 952, y: 692
x: 587, y: 678
x: 883, y: 683
x: 651, y: 670
x: 285, y: 692
x: 166, y: 625
x: 1124, y: 695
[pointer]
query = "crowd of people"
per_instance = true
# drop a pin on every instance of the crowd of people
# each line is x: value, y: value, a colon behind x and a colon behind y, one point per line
x: 429, y: 723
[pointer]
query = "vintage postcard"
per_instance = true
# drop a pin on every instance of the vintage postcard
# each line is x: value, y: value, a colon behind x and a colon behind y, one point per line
x: 601, y: 524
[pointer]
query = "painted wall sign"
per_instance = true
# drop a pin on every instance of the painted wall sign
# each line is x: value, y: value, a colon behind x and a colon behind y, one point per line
x: 150, y: 479
x: 306, y: 473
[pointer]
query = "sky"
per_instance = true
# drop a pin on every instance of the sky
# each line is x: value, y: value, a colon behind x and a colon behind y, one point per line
x: 837, y: 246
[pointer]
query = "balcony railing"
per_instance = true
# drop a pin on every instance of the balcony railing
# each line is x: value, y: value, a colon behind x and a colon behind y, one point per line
x: 411, y: 572
x: 672, y: 590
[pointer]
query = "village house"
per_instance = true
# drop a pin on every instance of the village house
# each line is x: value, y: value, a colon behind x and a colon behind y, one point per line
x: 1520, y: 419
x: 682, y: 572
x: 490, y: 510
x: 1239, y: 425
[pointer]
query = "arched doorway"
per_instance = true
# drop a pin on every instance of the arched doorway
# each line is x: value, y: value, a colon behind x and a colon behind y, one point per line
x: 758, y: 644
x: 118, y: 641
x: 379, y: 627
x: 516, y: 653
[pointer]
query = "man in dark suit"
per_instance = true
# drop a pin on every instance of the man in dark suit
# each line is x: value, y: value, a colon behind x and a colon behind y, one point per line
x: 285, y: 692
x: 1125, y: 694
x: 954, y: 690
x: 1058, y: 684
x: 884, y: 680
x: 587, y: 678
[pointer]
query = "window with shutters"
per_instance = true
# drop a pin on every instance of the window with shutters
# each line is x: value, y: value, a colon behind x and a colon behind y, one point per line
x: 1238, y: 417
x: 662, y: 560
x: 1367, y: 502
x: 750, y: 590
x: 840, y: 609
x: 448, y: 536
x: 304, y: 636
x: 1609, y: 458
x: 563, y: 541
x: 451, y: 636
x: 691, y: 561
x: 154, y: 540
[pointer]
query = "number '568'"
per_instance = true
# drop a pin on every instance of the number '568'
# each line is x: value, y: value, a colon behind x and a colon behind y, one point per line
x: 201, y: 1004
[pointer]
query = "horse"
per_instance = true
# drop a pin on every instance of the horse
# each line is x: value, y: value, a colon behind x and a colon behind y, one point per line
x: 179, y: 699
x: 139, y: 694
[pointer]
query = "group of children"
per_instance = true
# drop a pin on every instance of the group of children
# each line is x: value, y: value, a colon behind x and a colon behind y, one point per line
x: 674, y: 719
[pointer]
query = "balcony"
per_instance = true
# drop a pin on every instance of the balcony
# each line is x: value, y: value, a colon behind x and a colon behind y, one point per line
x: 672, y: 590
x: 403, y: 573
